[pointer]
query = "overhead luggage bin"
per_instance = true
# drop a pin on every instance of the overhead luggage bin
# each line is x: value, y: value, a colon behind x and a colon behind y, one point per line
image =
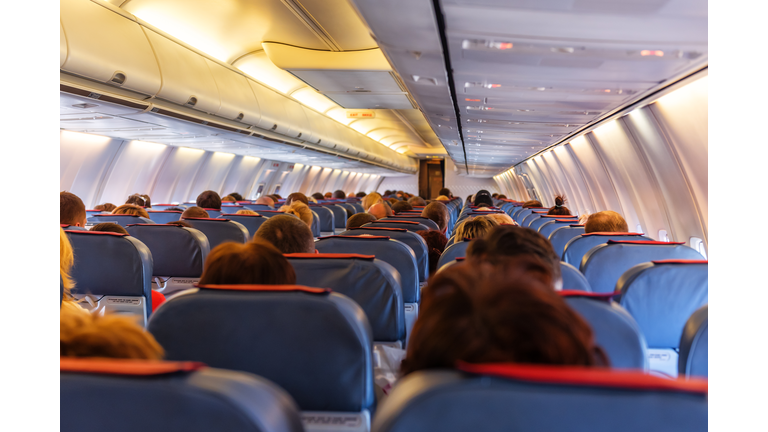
x: 272, y: 106
x: 237, y: 100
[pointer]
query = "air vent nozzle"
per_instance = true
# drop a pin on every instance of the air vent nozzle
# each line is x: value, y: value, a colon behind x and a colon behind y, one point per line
x: 192, y: 101
x: 117, y: 79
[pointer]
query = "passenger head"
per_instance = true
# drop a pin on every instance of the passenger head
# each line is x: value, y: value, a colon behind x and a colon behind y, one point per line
x: 401, y: 206
x: 359, y: 220
x: 228, y: 198
x: 71, y: 210
x: 501, y: 219
x: 339, y: 194
x: 474, y: 228
x: 438, y: 213
x: 501, y: 197
x: 236, y: 196
x: 276, y: 197
x: 195, y: 212
x: 436, y: 242
x: 66, y: 261
x: 494, y: 195
x: 606, y: 221
x: 442, y: 198
x: 380, y: 210
x: 392, y: 201
x: 300, y: 210
x: 265, y: 200
x: 360, y: 194
x: 288, y: 234
x: 296, y: 196
x: 559, y: 209
x: 532, y: 203
x: 107, y: 207
x: 130, y: 209
x: 487, y: 317
x: 504, y: 242
x: 209, y: 200
x: 246, y: 212
x: 105, y: 336
x: 109, y: 227
x: 318, y: 196
x: 446, y: 192
x: 416, y: 201
x: 180, y: 223
x: 483, y: 199
x: 257, y: 262
x: 328, y: 195
x: 371, y: 199
x: 137, y: 200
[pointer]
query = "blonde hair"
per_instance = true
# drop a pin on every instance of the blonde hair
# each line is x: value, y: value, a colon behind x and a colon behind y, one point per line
x: 475, y: 227
x: 131, y: 209
x: 110, y: 336
x: 247, y: 212
x: 442, y: 198
x: 66, y: 260
x: 371, y: 199
x: 301, y: 210
x: 501, y: 219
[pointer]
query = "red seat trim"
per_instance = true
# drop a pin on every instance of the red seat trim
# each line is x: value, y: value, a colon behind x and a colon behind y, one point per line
x: 381, y: 229
x: 205, y: 219
x: 356, y: 237
x: 127, y: 366
x: 680, y: 261
x: 645, y: 242
x: 391, y: 221
x: 238, y: 215
x: 330, y: 255
x: 97, y: 233
x: 265, y: 288
x: 612, y: 234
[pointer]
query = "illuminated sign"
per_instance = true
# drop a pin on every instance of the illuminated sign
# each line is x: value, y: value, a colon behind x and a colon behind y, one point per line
x: 356, y: 114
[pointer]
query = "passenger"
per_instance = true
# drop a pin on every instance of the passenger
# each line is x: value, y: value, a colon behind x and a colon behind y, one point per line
x: 236, y: 196
x: 606, y: 221
x: 401, y: 206
x: 381, y: 210
x: 296, y: 196
x: 175, y: 209
x: 483, y: 199
x: 446, y: 192
x: 139, y: 200
x: 181, y: 223
x: 130, y: 209
x: 106, y: 207
x: 501, y: 197
x: 387, y: 193
x: 583, y: 218
x: 392, y: 201
x: 417, y: 201
x: 276, y: 197
x: 442, y: 198
x: 71, y: 210
x: 228, y: 198
x: 209, y: 200
x: 438, y: 213
x: 359, y: 220
x: 257, y: 262
x: 109, y: 227
x: 532, y: 203
x: 360, y: 194
x: 371, y: 199
x: 288, y: 234
x: 195, y: 212
x: 494, y: 195
x: 66, y: 261
x: 301, y: 211
x: 501, y: 219
x: 474, y: 228
x: 246, y: 212
x: 487, y: 317
x: 265, y: 200
x: 107, y: 336
x: 311, y: 199
x: 559, y: 209
x: 328, y: 195
x: 436, y: 242
x: 339, y: 194
x: 318, y: 196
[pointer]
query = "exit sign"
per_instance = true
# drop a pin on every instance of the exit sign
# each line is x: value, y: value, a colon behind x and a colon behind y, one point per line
x: 356, y: 114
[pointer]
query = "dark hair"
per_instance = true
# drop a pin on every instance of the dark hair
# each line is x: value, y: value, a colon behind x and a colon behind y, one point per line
x: 181, y: 222
x: 228, y: 198
x: 438, y: 213
x: 256, y: 262
x: 483, y: 197
x: 109, y: 227
x: 105, y: 207
x: 416, y: 201
x: 559, y: 209
x: 359, y: 220
x: 318, y: 196
x: 139, y: 200
x: 494, y: 195
x: 436, y: 242
x: 446, y: 192
x: 339, y: 194
x: 505, y: 241
x: 209, y: 200
x: 486, y: 317
x: 501, y: 196
x: 328, y: 195
x: 360, y: 194
x: 401, y: 206
x: 237, y: 196
x: 195, y: 212
x: 296, y: 196
x: 387, y: 192
x: 277, y: 197
x: 175, y: 209
x: 287, y: 233
x: 605, y: 221
x: 71, y: 209
x: 532, y: 203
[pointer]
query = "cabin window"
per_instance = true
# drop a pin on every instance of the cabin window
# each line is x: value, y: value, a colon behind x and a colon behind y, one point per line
x: 663, y: 236
x: 698, y: 244
x: 639, y: 229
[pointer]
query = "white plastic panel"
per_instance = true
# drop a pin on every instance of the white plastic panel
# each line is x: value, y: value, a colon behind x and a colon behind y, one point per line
x: 212, y: 174
x: 134, y: 171
x: 272, y: 105
x: 296, y: 119
x: 595, y: 176
x: 177, y: 174
x: 407, y: 183
x: 241, y: 175
x: 185, y: 75
x: 570, y: 165
x: 235, y: 95
x: 308, y: 185
x: 62, y: 46
x: 101, y: 42
x: 84, y: 159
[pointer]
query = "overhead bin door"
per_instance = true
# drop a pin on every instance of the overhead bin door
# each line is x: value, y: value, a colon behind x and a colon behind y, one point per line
x: 297, y: 118
x: 319, y: 124
x: 272, y: 105
x: 236, y: 96
x: 62, y: 46
x: 311, y: 134
x: 107, y: 47
x: 187, y: 80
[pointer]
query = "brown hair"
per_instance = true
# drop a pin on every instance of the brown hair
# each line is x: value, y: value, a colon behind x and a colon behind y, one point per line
x: 317, y: 196
x: 436, y: 242
x: 180, y: 223
x: 532, y: 203
x: 300, y: 210
x: 416, y: 201
x: 256, y: 262
x: 438, y: 213
x: 105, y: 207
x: 111, y: 336
x: 606, y: 221
x: 229, y: 198
x: 474, y: 228
x: 288, y: 234
x: 507, y: 241
x: 339, y: 194
x: 195, y: 212
x: 486, y: 317
x: 246, y: 212
x: 71, y: 209
x: 359, y: 220
x: 131, y: 209
x: 109, y: 227
x: 296, y: 196
x: 371, y: 199
x: 559, y: 209
x: 139, y: 200
x: 401, y: 206
x: 209, y: 199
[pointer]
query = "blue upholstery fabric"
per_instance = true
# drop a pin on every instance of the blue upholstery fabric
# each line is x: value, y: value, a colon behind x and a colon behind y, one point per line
x: 562, y: 235
x: 661, y: 297
x: 449, y: 401
x: 89, y: 213
x: 371, y: 283
x: 538, y: 222
x: 358, y: 207
x: 395, y: 224
x: 316, y: 232
x: 250, y: 222
x: 162, y: 207
x: 122, y: 220
x: 161, y: 217
x: 579, y: 246
x: 389, y: 250
x: 111, y: 265
x: 694, y: 345
x: 452, y: 252
x: 339, y: 215
x: 573, y: 279
x: 219, y: 231
x: 429, y: 223
x: 327, y: 219
x: 198, y: 401
x: 213, y: 213
x: 257, y: 207
x: 531, y: 217
x: 550, y: 226
x: 318, y: 347
x: 177, y: 251
x: 73, y: 228
x: 615, y: 331
x: 411, y: 239
x: 604, y: 264
x: 349, y: 207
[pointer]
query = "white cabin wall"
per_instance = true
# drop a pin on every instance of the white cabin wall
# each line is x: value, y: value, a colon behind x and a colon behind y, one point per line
x: 83, y: 163
x: 407, y: 183
x: 462, y: 186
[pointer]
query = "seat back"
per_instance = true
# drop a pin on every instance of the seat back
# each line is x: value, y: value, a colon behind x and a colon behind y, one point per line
x: 578, y: 246
x: 573, y: 280
x: 121, y: 219
x: 213, y: 213
x: 429, y: 223
x: 159, y: 396
x: 550, y: 225
x: 178, y: 255
x: 339, y: 215
x: 112, y: 273
x: 521, y: 215
x: 456, y: 250
x: 348, y: 207
x: 89, y: 213
x: 231, y: 208
x: 315, y: 227
x: 615, y: 330
x: 314, y: 343
x: 219, y: 231
x: 409, y: 225
x: 604, y: 264
x: 327, y: 219
x: 371, y: 283
x: 694, y: 345
x: 358, y: 207
x: 502, y: 397
x: 561, y: 236
x: 164, y: 216
x: 250, y: 222
x: 258, y: 207
x: 162, y: 207
x: 411, y: 239
x: 543, y: 219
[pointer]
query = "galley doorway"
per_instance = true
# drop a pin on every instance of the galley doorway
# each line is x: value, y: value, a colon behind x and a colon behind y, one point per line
x: 431, y: 177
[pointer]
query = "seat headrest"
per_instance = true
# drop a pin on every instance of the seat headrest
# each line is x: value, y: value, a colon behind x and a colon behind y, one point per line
x: 356, y: 237
x: 330, y: 256
x: 694, y: 345
x: 395, y: 221
x: 219, y: 231
x: 177, y: 251
x: 573, y: 280
x: 577, y: 248
x: 380, y: 228
x: 120, y: 219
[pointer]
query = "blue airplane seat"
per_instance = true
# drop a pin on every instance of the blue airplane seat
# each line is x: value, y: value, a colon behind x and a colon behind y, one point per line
x: 509, y: 397
x: 450, y: 263
x: 89, y: 213
x: 536, y: 214
x: 314, y: 343
x: 121, y: 219
x: 429, y: 223
x: 178, y: 255
x: 551, y: 225
x: 258, y: 207
x: 409, y: 225
x: 120, y: 395
x: 694, y: 346
x: 456, y: 250
x: 162, y: 207
x: 315, y: 225
x: 371, y: 283
x: 66, y: 227
x: 327, y: 219
x: 250, y: 222
x: 573, y: 280
x: 112, y: 273
x: 358, y: 207
x: 451, y: 241
x: 661, y: 296
x: 538, y: 222
x: 213, y: 213
x: 231, y: 208
x: 615, y: 330
x: 411, y: 239
x: 219, y: 231
x: 349, y: 208
x: 164, y: 216
x: 578, y: 246
x: 339, y: 215
x: 562, y: 235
